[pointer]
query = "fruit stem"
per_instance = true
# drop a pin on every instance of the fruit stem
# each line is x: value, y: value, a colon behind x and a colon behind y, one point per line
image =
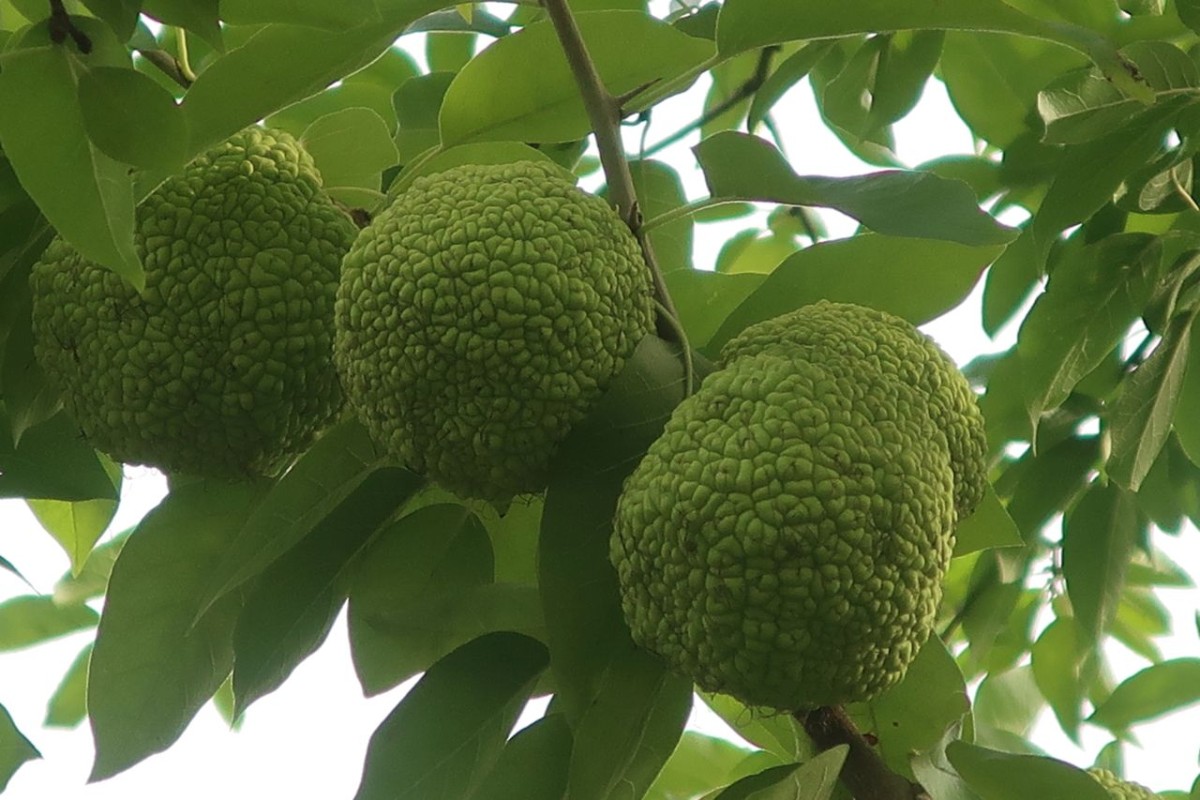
x: 864, y: 774
x: 604, y: 113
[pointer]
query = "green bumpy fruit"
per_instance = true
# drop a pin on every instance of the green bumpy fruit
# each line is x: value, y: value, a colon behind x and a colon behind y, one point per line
x: 867, y: 339
x: 481, y: 315
x: 222, y: 366
x: 785, y: 539
x: 1120, y: 789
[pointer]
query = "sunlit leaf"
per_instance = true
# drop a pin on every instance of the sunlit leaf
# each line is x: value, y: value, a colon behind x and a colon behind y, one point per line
x: 1156, y: 690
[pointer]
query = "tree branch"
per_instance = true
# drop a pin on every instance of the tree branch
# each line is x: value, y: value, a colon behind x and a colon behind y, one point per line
x: 864, y: 774
x: 167, y: 64
x: 604, y: 113
x: 61, y: 27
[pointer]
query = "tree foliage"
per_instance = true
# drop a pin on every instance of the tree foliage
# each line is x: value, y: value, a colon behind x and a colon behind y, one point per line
x: 1085, y: 117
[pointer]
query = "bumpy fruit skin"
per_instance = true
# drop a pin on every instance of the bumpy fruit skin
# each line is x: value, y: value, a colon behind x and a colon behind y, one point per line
x: 1120, y: 789
x: 864, y: 339
x: 222, y: 366
x: 784, y: 540
x: 480, y: 315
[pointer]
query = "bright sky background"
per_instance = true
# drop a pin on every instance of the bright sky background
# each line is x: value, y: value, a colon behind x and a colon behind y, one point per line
x: 308, y: 739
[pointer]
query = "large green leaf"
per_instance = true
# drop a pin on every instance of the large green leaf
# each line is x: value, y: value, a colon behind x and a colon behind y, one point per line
x: 920, y: 205
x: 630, y: 729
x: 447, y: 733
x: 86, y: 194
x: 988, y: 526
x: 132, y: 119
x: 280, y: 64
x: 68, y: 705
x: 917, y: 279
x: 52, y: 462
x: 291, y: 607
x: 702, y: 763
x: 1003, y: 776
x: 1158, y: 689
x: 816, y: 779
x: 157, y: 658
x: 316, y: 13
x: 15, y: 749
x: 351, y: 147
x: 578, y: 584
x: 521, y: 87
x: 78, y: 526
x: 33, y: 619
x: 1099, y: 535
x: 533, y: 764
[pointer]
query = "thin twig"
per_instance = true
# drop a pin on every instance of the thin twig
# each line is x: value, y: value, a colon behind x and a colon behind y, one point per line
x: 604, y: 113
x: 1182, y: 192
x: 185, y: 67
x: 166, y: 64
x: 61, y: 27
x: 864, y: 774
x: 747, y: 89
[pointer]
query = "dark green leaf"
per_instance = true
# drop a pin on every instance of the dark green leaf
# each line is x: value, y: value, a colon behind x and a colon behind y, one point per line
x: 659, y: 191
x: 157, y: 660
x: 1141, y: 417
x: 68, y: 704
x: 520, y: 87
x: 1099, y: 534
x: 1187, y: 421
x: 28, y: 397
x: 332, y: 470
x: 280, y: 64
x: 533, y: 764
x: 917, y: 279
x: 446, y: 734
x: 912, y: 715
x: 132, y: 119
x: 1047, y: 482
x: 333, y: 16
x: 52, y: 462
x: 85, y: 194
x: 1004, y: 776
x: 33, y: 619
x: 630, y: 728
x: 738, y: 166
x: 425, y: 588
x: 292, y: 605
x: 1189, y: 12
x: 816, y: 779
x: 1093, y: 298
x: 988, y: 526
x: 1156, y: 690
x: 15, y: 749
x: 578, y: 584
x: 1057, y: 658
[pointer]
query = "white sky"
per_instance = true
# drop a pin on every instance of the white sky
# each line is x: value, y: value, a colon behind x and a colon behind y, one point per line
x: 307, y: 739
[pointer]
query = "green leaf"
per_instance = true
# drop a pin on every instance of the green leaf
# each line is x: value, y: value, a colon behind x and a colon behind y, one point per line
x: 521, y: 88
x: 702, y: 763
x: 790, y: 71
x: 291, y: 607
x: 816, y: 779
x: 988, y: 526
x: 33, y: 619
x: 481, y: 153
x: 1004, y: 776
x: 68, y: 705
x: 1187, y: 422
x: 738, y: 166
x: 52, y: 462
x: 351, y: 147
x: 15, y: 749
x: 28, y: 397
x: 412, y: 598
x: 446, y: 734
x: 994, y: 80
x: 85, y: 194
x: 630, y: 729
x: 1048, y: 480
x: 1057, y: 658
x: 911, y: 716
x: 917, y: 279
x: 91, y: 581
x: 1007, y: 701
x: 1143, y: 411
x: 156, y: 659
x: 1156, y: 690
x: 132, y: 119
x: 578, y: 584
x: 1189, y: 12
x: 747, y: 24
x: 280, y: 64
x: 659, y: 191
x: 533, y: 764
x: 775, y: 734
x: 78, y: 526
x: 314, y: 13
x: 1099, y: 535
x: 195, y: 16
x: 1092, y: 299
x: 705, y: 299
x: 332, y: 470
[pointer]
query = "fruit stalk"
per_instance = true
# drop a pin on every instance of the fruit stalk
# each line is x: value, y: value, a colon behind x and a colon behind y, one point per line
x: 864, y: 774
